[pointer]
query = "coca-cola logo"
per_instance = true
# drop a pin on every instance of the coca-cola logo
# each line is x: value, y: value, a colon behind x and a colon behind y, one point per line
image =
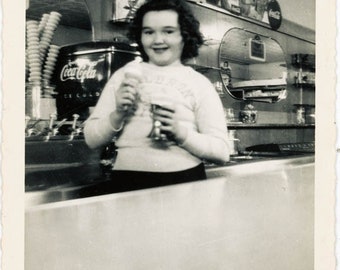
x: 274, y: 14
x: 80, y: 72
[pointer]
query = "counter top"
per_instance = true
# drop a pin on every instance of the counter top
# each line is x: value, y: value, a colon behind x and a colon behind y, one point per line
x: 256, y: 216
x: 59, y: 183
x: 258, y: 165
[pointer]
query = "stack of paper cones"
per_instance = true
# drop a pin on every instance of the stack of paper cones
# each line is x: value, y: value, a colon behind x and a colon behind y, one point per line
x: 48, y: 32
x: 41, y: 55
x: 42, y: 23
x: 49, y: 65
x: 32, y: 53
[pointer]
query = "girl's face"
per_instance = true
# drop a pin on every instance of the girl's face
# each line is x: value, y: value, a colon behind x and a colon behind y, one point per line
x: 161, y: 37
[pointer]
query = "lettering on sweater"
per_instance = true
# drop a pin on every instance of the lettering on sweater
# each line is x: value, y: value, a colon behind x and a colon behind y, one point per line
x: 163, y: 86
x: 168, y: 85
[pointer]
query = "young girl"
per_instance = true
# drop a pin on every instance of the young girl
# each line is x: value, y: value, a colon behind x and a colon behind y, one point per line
x: 166, y: 117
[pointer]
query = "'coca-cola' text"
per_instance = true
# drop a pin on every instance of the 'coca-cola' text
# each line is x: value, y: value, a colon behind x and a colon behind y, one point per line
x: 72, y: 71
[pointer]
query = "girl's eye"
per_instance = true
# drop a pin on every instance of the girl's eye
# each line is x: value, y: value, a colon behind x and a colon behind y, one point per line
x: 147, y: 32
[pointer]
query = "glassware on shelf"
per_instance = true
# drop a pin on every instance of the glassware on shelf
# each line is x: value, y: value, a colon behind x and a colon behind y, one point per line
x: 32, y: 100
x: 248, y: 115
x: 39, y: 101
x: 300, y: 115
x: 233, y: 142
x: 304, y: 113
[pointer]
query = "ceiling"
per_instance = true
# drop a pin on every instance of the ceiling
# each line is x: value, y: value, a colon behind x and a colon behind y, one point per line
x: 74, y: 12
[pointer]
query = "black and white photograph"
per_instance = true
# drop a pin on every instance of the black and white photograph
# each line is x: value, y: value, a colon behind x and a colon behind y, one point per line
x: 170, y: 134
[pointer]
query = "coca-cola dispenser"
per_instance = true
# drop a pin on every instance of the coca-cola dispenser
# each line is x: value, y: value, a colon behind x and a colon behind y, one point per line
x: 82, y: 71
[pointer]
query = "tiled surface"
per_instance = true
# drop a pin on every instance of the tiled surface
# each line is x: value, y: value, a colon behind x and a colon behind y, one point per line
x: 74, y: 12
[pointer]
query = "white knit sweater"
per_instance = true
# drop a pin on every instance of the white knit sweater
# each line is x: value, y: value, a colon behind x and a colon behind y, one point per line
x: 198, y: 108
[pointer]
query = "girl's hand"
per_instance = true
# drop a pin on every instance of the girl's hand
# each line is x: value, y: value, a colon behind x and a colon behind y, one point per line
x: 166, y: 114
x: 126, y: 97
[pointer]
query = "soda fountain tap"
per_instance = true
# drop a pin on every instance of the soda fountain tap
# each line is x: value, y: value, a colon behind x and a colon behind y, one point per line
x: 75, y: 129
x: 30, y: 130
x: 53, y: 117
x: 55, y: 130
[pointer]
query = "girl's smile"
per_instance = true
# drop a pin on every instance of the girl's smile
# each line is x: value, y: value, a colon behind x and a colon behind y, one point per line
x: 161, y: 37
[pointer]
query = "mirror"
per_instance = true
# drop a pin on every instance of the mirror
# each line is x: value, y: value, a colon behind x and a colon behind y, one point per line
x: 252, y: 66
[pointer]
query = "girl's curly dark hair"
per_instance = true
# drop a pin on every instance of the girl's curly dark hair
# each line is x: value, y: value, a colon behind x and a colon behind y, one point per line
x: 189, y: 25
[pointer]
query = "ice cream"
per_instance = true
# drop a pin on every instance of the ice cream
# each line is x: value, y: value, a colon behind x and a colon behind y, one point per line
x: 132, y: 71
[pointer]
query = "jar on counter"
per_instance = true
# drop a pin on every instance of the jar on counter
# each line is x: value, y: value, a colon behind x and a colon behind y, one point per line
x: 248, y: 115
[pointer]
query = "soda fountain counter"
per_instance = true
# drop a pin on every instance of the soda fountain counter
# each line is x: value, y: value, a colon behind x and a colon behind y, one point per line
x: 62, y: 167
x: 252, y: 215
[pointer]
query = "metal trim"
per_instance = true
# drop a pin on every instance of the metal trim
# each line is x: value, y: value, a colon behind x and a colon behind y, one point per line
x: 112, y: 49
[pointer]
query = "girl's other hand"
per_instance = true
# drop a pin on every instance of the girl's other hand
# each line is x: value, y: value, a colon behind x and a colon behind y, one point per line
x: 166, y: 114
